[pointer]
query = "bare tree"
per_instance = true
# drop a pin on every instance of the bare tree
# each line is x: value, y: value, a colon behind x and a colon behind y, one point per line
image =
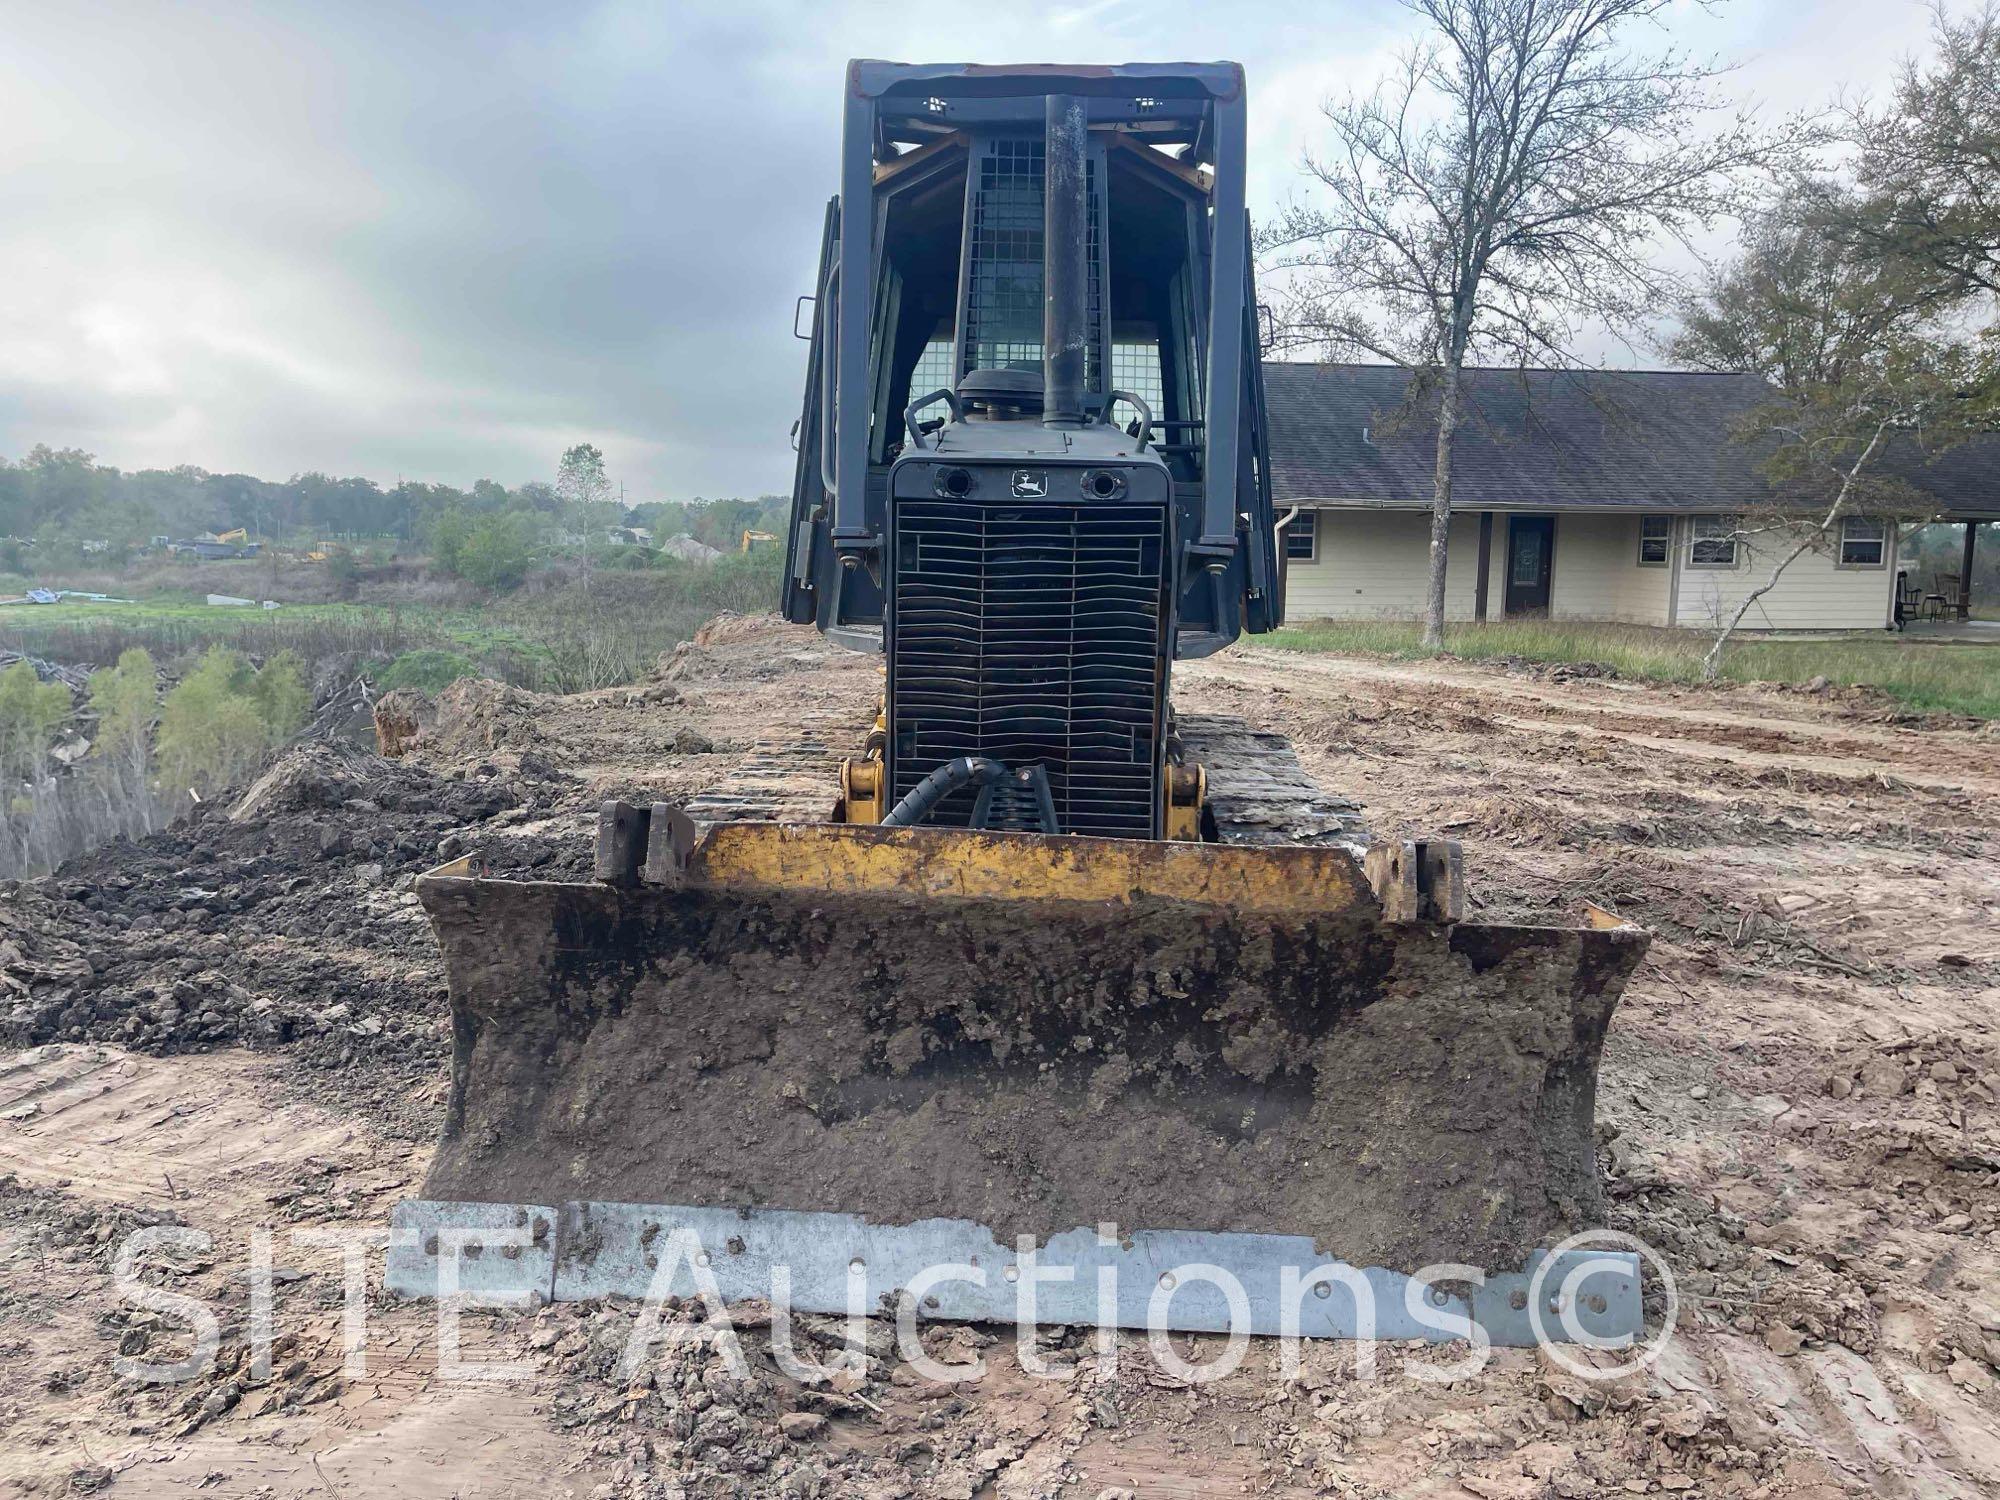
x: 1507, y: 186
x: 1927, y: 163
x: 1863, y: 359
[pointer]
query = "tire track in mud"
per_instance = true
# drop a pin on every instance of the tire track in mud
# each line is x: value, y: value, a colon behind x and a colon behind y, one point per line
x: 1800, y: 1088
x: 99, y: 1141
x: 1765, y: 737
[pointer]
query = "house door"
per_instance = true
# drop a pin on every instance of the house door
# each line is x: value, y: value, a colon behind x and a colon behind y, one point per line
x: 1531, y: 548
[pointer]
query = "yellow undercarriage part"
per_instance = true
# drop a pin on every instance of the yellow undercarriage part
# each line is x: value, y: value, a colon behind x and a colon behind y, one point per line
x: 861, y: 791
x: 863, y: 798
x: 1186, y: 792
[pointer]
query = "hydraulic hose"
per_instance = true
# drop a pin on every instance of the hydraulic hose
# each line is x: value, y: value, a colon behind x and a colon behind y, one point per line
x: 967, y: 770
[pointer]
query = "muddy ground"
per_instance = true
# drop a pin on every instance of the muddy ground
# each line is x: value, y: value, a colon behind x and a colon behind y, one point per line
x: 239, y: 1024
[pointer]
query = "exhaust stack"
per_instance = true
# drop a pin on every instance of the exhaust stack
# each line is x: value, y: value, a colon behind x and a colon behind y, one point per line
x: 1066, y: 260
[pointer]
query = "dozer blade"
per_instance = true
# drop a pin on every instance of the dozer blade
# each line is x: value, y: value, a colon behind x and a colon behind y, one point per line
x: 858, y: 1051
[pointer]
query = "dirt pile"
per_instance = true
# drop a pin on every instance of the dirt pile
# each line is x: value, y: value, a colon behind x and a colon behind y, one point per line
x: 476, y: 717
x: 320, y: 777
x: 750, y: 648
x: 39, y: 961
x: 1553, y: 671
x: 730, y: 628
x: 285, y: 920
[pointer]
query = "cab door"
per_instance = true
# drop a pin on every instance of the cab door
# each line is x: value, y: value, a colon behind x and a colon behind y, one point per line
x: 805, y: 545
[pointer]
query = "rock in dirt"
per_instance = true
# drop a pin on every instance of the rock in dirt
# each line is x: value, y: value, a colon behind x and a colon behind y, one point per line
x: 1783, y: 1341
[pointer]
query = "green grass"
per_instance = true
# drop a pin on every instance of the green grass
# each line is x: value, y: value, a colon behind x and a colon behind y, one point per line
x: 559, y: 633
x: 1931, y: 676
x: 169, y: 627
x: 426, y: 670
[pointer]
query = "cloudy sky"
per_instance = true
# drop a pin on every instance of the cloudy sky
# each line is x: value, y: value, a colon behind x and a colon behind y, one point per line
x: 444, y: 241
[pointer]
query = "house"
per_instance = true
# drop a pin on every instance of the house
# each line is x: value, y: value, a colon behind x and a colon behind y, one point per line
x: 1585, y: 495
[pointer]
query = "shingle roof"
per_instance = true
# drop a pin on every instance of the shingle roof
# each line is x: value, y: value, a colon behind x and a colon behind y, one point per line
x: 1552, y: 439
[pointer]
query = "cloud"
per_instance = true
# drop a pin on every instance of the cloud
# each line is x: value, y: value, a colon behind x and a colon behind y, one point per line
x: 448, y: 240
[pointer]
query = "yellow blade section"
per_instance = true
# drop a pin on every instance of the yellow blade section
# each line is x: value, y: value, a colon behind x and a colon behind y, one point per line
x: 837, y: 859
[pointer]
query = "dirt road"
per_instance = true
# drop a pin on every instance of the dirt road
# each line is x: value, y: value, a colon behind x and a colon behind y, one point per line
x: 1798, y: 1109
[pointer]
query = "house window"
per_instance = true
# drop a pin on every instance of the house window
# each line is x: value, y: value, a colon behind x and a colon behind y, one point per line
x: 1656, y: 540
x: 1864, y: 542
x: 1302, y: 537
x: 1712, y: 542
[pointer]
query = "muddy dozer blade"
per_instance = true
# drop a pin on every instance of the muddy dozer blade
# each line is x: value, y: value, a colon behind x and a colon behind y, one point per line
x: 861, y: 1049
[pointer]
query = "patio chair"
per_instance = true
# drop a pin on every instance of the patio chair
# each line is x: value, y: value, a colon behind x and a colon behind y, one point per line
x: 1946, y: 596
x: 1909, y: 600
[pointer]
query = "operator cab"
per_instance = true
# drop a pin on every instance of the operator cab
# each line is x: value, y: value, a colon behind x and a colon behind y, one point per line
x: 951, y: 165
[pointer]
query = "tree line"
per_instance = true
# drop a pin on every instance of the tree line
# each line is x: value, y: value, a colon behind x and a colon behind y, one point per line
x: 61, y: 504
x: 57, y: 494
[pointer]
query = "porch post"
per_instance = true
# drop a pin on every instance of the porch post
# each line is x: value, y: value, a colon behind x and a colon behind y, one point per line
x: 1965, y: 570
x: 1485, y: 565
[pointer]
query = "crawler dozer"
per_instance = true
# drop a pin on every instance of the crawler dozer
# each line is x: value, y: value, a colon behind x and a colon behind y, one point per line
x: 1029, y: 964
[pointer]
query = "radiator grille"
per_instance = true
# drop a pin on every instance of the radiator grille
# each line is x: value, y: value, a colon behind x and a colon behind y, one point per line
x: 1032, y: 633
